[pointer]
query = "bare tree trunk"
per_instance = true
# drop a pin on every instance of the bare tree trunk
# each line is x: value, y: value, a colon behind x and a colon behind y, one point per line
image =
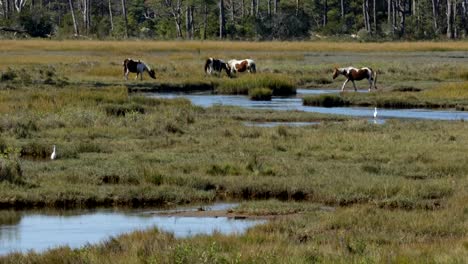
x: 393, y: 17
x: 243, y: 8
x: 253, y: 8
x: 435, y: 7
x: 389, y: 12
x: 176, y: 12
x: 205, y: 19
x: 5, y: 14
x: 402, y: 9
x: 85, y: 12
x: 365, y: 14
x: 110, y: 16
x: 187, y: 22
x: 342, y: 8
x: 124, y: 13
x: 19, y: 4
x: 325, y: 12
x: 449, y: 19
x: 192, y: 22
x: 275, y: 6
x: 222, y: 21
x: 375, y: 16
x: 232, y: 10
x: 269, y: 7
x: 454, y: 19
x: 75, y: 26
x: 297, y: 7
x: 464, y: 17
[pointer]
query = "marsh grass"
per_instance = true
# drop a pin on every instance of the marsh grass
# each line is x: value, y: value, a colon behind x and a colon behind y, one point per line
x: 10, y: 170
x: 451, y: 95
x: 279, y: 85
x: 260, y: 94
x: 354, y: 192
x: 123, y: 47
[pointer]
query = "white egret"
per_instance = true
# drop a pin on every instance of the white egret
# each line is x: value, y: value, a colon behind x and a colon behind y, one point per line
x: 375, y: 112
x: 53, y: 155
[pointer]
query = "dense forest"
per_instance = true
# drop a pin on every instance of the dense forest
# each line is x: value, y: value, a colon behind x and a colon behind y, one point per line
x: 367, y: 20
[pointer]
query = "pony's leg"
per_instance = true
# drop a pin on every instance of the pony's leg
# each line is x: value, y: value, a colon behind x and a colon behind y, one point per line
x: 126, y: 75
x: 370, y: 83
x: 344, y: 84
x: 136, y: 78
x: 355, y: 89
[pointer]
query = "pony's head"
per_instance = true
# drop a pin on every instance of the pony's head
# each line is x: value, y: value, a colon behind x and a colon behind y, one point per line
x: 152, y: 73
x: 336, y: 72
x: 228, y: 69
x: 207, y: 64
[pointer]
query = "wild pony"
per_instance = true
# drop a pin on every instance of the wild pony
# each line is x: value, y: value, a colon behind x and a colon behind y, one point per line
x: 242, y: 66
x: 354, y: 74
x: 138, y: 67
x: 213, y: 65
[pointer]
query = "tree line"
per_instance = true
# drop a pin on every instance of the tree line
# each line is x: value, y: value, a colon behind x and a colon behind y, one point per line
x: 236, y: 19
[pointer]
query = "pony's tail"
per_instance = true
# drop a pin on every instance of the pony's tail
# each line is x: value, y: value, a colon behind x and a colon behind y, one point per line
x: 374, y: 81
x: 207, y: 63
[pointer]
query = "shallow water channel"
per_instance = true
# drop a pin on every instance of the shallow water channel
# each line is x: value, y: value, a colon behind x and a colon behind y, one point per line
x: 295, y: 103
x: 39, y: 231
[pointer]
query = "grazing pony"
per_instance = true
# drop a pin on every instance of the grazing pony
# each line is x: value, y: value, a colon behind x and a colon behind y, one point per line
x: 353, y: 74
x: 213, y: 65
x: 137, y: 67
x: 242, y: 66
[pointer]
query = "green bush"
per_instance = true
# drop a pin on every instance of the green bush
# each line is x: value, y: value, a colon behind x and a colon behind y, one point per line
x: 122, y: 110
x: 260, y: 94
x: 280, y: 85
x: 10, y: 170
x: 325, y: 100
x: 37, y: 23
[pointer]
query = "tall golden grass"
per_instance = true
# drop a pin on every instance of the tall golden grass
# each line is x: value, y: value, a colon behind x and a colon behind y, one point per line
x: 148, y: 46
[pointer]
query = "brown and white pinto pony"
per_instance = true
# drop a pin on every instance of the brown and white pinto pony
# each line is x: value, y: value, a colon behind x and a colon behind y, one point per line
x: 354, y: 74
x: 242, y: 66
x: 213, y: 65
x: 138, y: 67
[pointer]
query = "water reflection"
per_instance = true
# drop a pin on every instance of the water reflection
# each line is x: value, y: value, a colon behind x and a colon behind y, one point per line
x: 295, y: 103
x: 36, y: 231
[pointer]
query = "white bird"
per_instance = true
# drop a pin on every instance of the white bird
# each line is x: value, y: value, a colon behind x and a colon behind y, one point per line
x: 375, y: 112
x: 53, y: 155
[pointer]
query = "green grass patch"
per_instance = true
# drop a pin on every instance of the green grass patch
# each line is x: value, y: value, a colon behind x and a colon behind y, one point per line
x: 260, y: 94
x: 280, y: 85
x: 325, y: 100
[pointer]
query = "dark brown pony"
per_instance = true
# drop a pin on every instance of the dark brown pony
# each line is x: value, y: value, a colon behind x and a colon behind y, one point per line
x: 354, y: 74
x: 138, y: 67
x: 213, y: 65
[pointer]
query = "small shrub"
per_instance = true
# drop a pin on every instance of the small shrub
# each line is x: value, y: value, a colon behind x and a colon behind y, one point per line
x: 35, y: 150
x: 24, y: 128
x: 223, y: 170
x: 279, y: 85
x: 173, y: 128
x: 260, y: 94
x: 122, y: 110
x: 326, y: 100
x: 10, y: 170
x: 8, y: 75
